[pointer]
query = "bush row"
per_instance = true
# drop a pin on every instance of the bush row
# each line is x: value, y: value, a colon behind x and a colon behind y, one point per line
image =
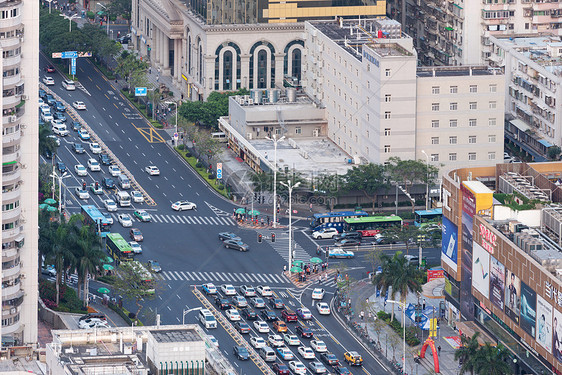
x: 411, y: 338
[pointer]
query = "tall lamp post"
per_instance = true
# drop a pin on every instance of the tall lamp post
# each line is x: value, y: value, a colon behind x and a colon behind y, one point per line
x: 186, y: 311
x: 69, y: 18
x: 426, y: 182
x: 176, y: 127
x: 403, y: 305
x: 49, y: 1
x: 290, y: 188
x: 275, y: 140
x: 60, y: 178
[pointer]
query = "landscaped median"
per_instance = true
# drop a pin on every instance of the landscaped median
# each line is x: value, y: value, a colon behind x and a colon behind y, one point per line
x: 198, y: 166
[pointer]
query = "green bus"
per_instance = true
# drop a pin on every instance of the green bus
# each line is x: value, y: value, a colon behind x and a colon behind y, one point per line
x: 371, y: 225
x: 118, y: 248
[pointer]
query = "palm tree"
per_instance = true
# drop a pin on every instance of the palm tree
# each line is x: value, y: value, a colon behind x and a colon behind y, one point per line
x: 467, y: 353
x: 400, y: 276
x: 88, y: 258
x: 492, y: 360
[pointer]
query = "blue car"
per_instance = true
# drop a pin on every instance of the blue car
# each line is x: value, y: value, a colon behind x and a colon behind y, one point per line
x: 50, y: 99
x: 76, y: 126
x: 61, y: 167
x: 209, y: 289
x: 59, y: 107
x: 83, y: 134
x: 340, y: 253
x: 59, y: 116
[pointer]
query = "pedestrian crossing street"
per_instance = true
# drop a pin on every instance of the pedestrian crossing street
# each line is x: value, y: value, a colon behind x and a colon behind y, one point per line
x: 223, y: 277
x: 281, y: 246
x: 190, y: 220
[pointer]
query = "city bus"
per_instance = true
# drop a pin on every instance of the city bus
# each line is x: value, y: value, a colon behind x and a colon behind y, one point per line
x: 334, y: 219
x: 92, y: 215
x: 426, y: 217
x: 371, y: 225
x: 145, y: 277
x: 118, y: 248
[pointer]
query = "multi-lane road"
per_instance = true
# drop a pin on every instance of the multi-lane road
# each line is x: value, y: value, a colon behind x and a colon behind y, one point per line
x: 186, y: 243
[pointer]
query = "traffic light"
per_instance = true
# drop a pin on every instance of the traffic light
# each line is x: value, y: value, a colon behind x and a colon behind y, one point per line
x: 97, y: 185
x: 272, y: 237
x: 83, y: 185
x: 259, y: 237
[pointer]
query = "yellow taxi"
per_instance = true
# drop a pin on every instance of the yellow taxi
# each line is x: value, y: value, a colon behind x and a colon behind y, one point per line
x: 280, y: 326
x: 353, y: 358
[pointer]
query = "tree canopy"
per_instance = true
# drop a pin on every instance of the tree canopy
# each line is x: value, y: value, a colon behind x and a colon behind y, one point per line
x: 130, y: 284
x: 366, y: 178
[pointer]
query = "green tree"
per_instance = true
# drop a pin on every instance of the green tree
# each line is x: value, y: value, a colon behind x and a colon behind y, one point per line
x: 554, y: 152
x: 129, y: 283
x: 468, y: 352
x: 367, y: 179
x: 120, y: 8
x: 207, y: 113
x: 407, y: 234
x: 398, y: 277
x: 46, y: 143
x: 88, y: 256
x: 493, y: 360
x: 262, y: 181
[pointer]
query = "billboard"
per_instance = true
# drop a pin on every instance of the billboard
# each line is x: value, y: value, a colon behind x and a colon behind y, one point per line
x: 528, y: 309
x: 544, y: 323
x: 449, y: 243
x: 512, y: 296
x: 557, y: 335
x: 467, y: 219
x: 481, y: 270
x: 497, y: 283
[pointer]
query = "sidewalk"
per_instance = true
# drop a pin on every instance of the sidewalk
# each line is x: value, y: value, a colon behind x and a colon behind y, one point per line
x: 447, y: 336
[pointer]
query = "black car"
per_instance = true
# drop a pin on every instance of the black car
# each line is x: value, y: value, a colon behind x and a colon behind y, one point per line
x: 249, y: 314
x: 348, y: 242
x: 276, y: 303
x: 342, y: 371
x: 269, y: 315
x: 108, y: 183
x: 242, y: 327
x: 104, y: 159
x: 280, y: 369
x: 329, y: 359
x: 59, y: 116
x: 50, y: 99
x: 222, y: 303
x: 228, y: 236
x: 93, y: 316
x: 61, y: 167
x: 236, y: 245
x: 304, y: 332
x: 76, y: 126
x: 241, y: 353
x: 78, y: 148
x: 348, y: 235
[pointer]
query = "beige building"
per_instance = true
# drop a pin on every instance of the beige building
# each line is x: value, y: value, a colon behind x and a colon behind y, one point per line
x: 19, y: 37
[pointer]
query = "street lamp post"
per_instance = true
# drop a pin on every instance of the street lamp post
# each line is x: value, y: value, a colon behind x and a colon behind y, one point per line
x: 426, y: 182
x: 275, y: 140
x: 403, y: 305
x: 60, y: 178
x: 290, y: 188
x: 176, y: 128
x: 186, y: 311
x: 106, y: 14
x: 69, y: 18
x: 49, y: 1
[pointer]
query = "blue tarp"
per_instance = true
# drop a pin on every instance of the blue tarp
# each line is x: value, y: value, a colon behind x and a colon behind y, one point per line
x: 545, y: 143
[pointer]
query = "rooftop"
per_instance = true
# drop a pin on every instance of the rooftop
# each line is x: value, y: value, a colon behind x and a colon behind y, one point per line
x: 175, y: 335
x: 455, y: 71
x: 543, y: 50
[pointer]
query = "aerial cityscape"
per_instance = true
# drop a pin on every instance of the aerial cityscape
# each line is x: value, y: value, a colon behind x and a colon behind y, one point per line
x: 281, y: 187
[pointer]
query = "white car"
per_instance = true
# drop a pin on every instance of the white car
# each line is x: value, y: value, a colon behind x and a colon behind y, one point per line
x: 261, y: 326
x: 297, y: 367
x: 318, y: 293
x: 228, y: 290
x: 304, y: 313
x: 110, y: 205
x: 83, y: 134
x: 292, y: 340
x: 183, y: 205
x: 264, y: 291
x: 306, y: 352
x: 49, y: 81
x: 258, y: 302
x: 340, y: 253
x: 233, y: 315
x: 80, y: 170
x: 214, y: 340
x: 137, y: 248
x: 91, y: 323
x: 152, y: 170
x: 114, y: 170
x: 79, y: 104
x: 82, y: 194
x: 95, y: 148
x: 125, y: 220
x: 275, y: 340
x: 319, y: 346
x: 257, y: 342
x: 247, y: 291
x: 323, y: 308
x: 137, y: 196
x: 285, y: 353
x: 325, y: 233
x: 93, y: 165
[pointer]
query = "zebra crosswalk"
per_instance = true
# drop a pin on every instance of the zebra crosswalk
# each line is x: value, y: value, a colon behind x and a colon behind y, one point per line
x: 190, y: 220
x: 281, y: 246
x: 223, y: 277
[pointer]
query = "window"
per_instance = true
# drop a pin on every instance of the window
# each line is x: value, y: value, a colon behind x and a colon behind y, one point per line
x: 434, y: 157
x: 435, y: 107
x: 434, y: 123
x: 473, y: 88
x: 387, y: 148
x: 387, y: 115
x: 298, y: 130
x: 434, y: 140
x: 387, y: 132
x: 473, y: 105
x: 453, y: 89
x: 387, y: 72
x: 472, y: 139
x: 453, y: 156
x: 453, y: 123
x: 453, y: 140
x: 435, y: 90
x: 491, y: 122
x: 492, y: 138
x: 491, y: 155
x: 492, y: 105
x: 493, y: 88
x: 472, y: 156
x: 472, y: 122
x: 453, y: 106
x: 387, y: 98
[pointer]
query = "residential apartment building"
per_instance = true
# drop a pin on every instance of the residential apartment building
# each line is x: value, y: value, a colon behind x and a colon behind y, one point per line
x: 533, y: 91
x: 380, y: 105
x: 455, y: 32
x: 19, y: 41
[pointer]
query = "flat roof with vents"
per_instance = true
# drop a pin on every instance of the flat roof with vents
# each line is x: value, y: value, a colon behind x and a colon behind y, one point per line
x: 175, y: 335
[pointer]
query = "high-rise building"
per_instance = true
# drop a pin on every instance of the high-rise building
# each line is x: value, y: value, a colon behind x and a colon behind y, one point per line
x: 19, y: 42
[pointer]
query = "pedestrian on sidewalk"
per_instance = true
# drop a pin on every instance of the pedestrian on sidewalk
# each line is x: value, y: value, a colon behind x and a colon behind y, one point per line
x: 362, y: 314
x: 268, y: 221
x: 157, y: 78
x: 284, y: 268
x: 439, y: 350
x: 149, y: 70
x: 423, y: 304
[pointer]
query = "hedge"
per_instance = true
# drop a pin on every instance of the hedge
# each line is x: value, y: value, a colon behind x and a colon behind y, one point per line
x: 411, y: 338
x: 123, y: 313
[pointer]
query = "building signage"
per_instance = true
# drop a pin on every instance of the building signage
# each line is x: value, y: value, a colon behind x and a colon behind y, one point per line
x: 554, y: 294
x: 489, y: 239
x: 371, y: 58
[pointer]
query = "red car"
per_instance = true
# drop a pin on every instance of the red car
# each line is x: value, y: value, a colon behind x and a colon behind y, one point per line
x: 50, y: 69
x: 136, y: 234
x: 280, y: 369
x: 289, y: 315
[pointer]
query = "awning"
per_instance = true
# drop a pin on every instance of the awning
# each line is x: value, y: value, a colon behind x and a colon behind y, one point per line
x: 545, y: 143
x: 449, y: 28
x: 520, y: 124
x: 10, y: 162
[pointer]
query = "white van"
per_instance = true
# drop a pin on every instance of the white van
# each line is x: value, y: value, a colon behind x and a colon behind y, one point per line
x: 124, y: 182
x: 123, y: 199
x: 207, y: 319
x: 60, y: 129
x: 267, y: 354
x: 46, y: 114
x: 219, y: 136
x: 68, y: 85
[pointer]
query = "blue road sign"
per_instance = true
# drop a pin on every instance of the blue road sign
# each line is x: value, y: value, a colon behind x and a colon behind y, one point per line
x: 219, y: 171
x: 73, y: 66
x: 69, y: 55
x: 140, y: 91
